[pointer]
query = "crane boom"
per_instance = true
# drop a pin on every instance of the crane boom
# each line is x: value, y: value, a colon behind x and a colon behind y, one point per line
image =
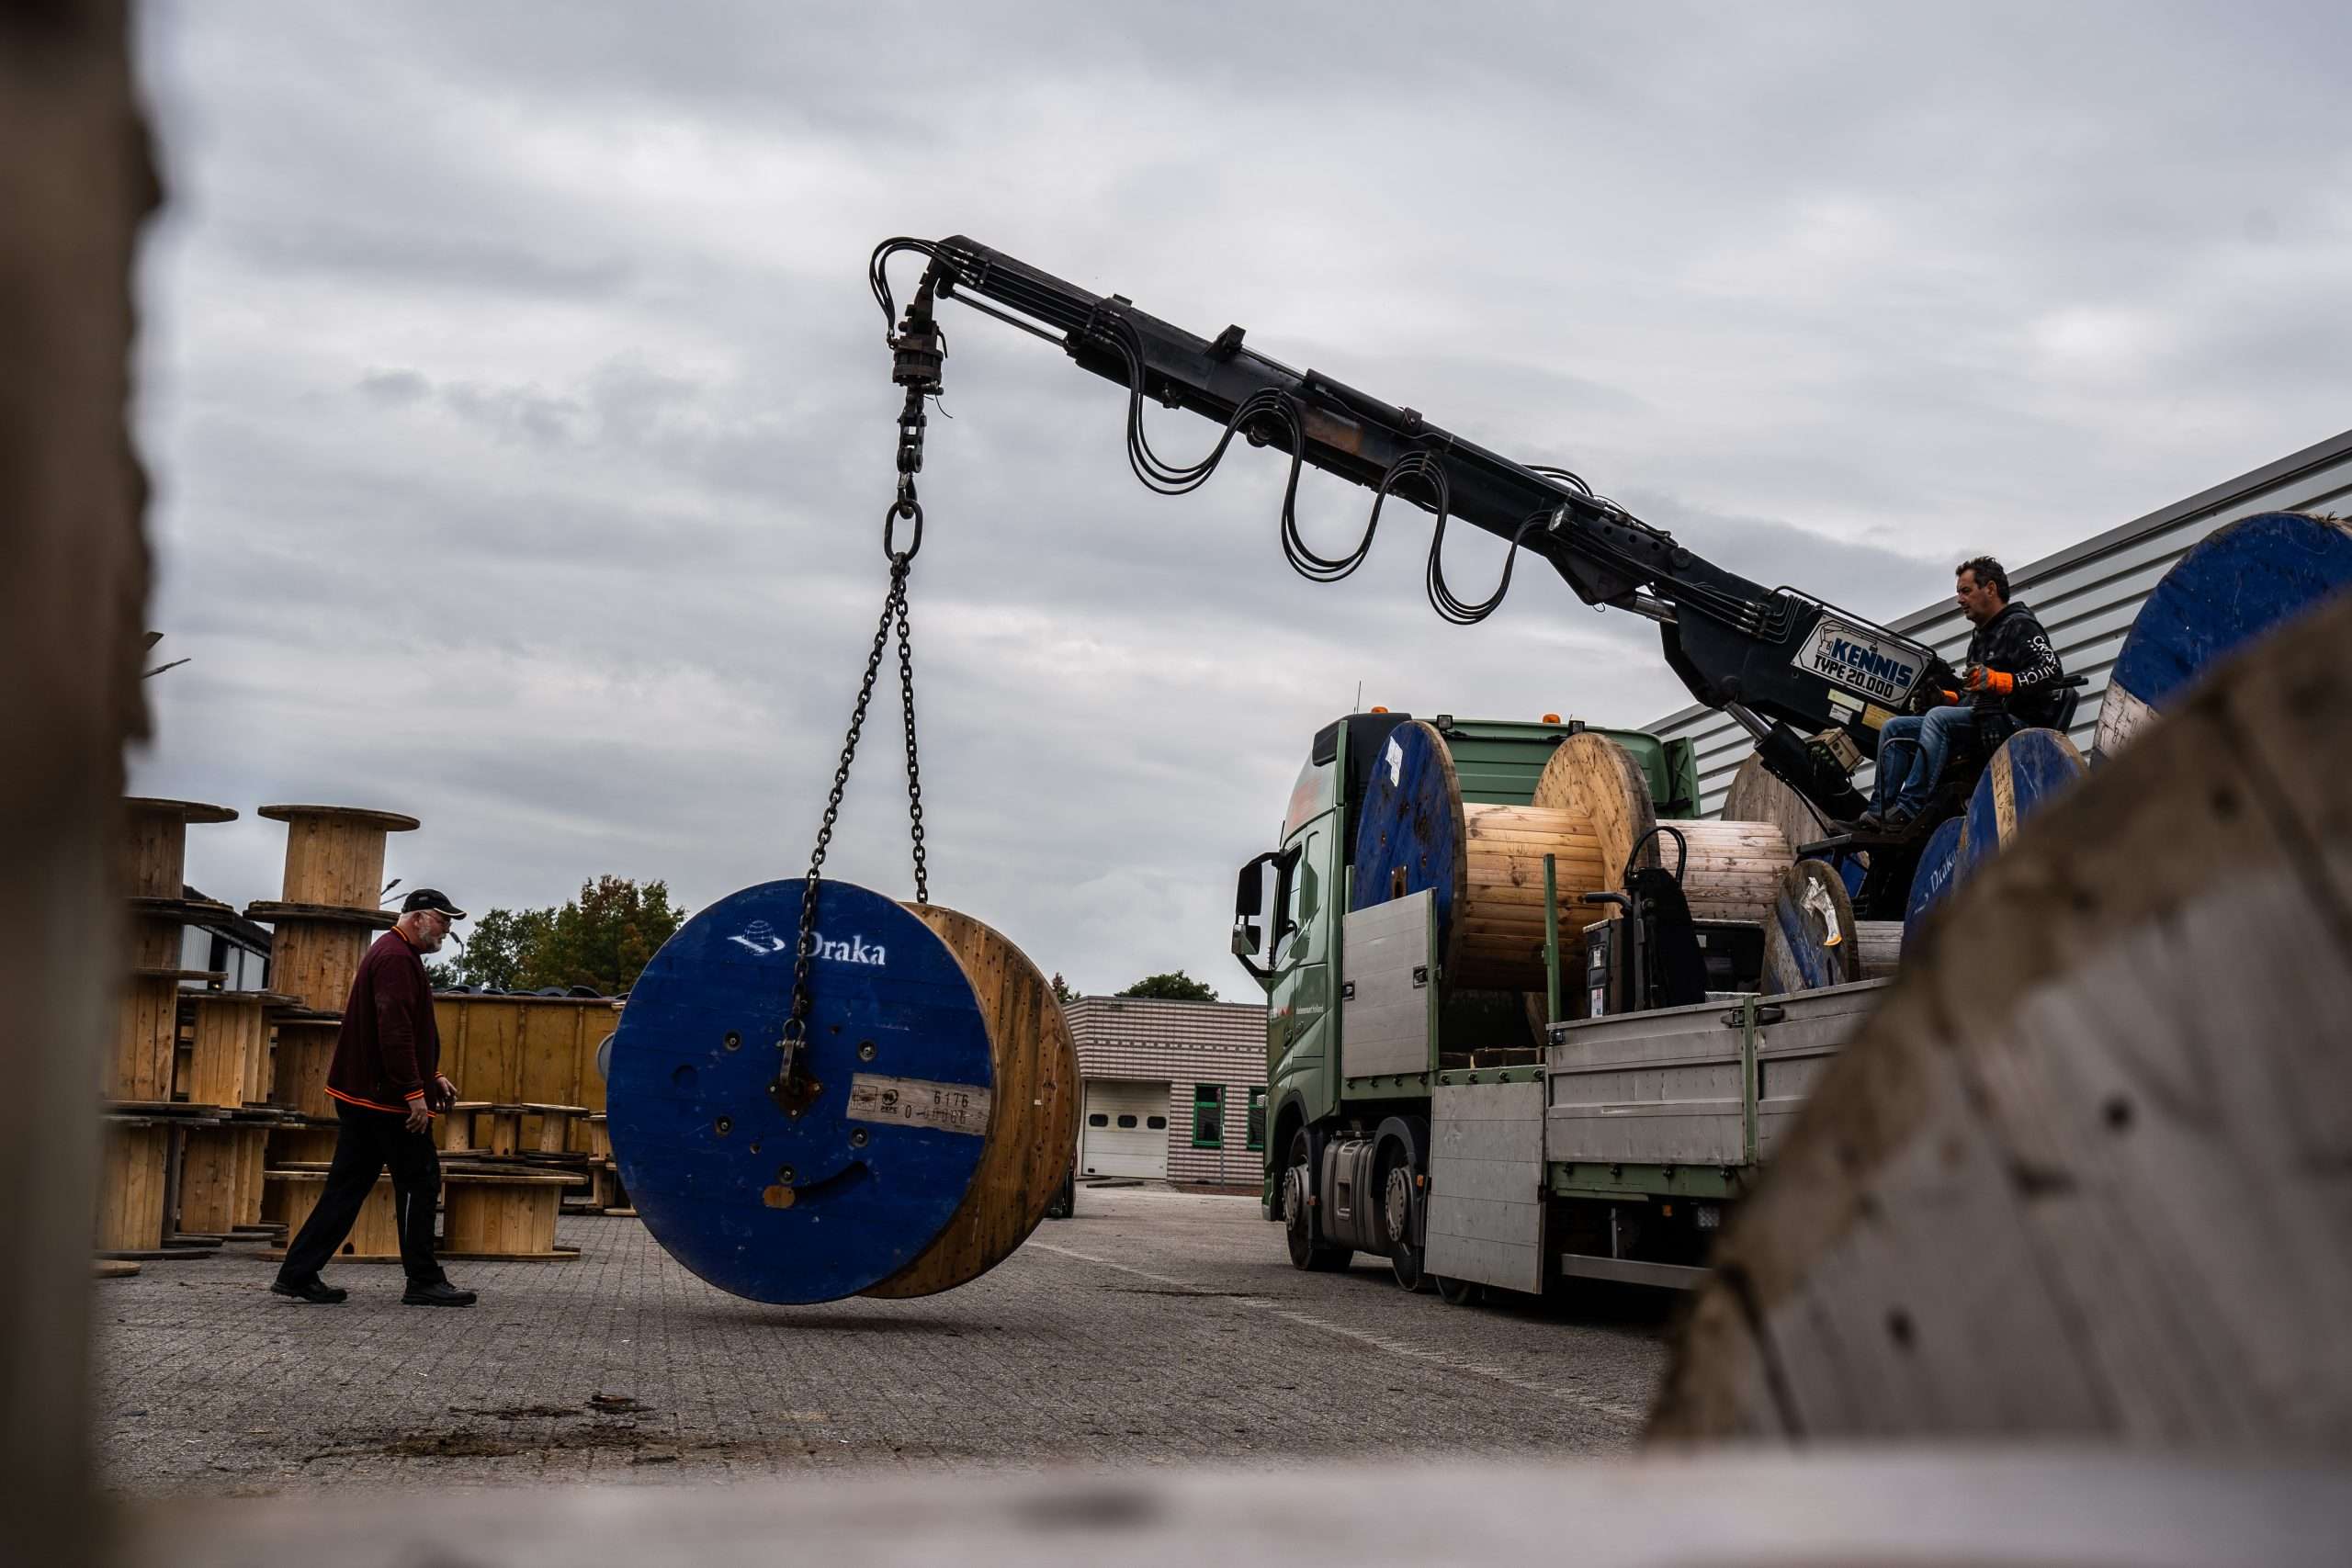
x: 1795, y: 672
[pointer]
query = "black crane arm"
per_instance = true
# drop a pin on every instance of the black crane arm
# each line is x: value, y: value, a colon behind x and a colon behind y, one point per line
x: 1792, y: 671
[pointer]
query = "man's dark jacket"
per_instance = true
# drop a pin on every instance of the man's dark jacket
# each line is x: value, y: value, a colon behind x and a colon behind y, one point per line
x: 390, y: 1048
x: 2014, y: 643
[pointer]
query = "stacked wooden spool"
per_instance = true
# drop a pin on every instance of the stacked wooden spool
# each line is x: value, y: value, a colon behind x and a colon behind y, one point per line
x: 224, y: 1070
x: 143, y: 1124
x: 323, y: 922
x: 1484, y: 863
x: 926, y: 1126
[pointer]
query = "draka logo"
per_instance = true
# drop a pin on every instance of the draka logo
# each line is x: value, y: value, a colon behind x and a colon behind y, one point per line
x: 760, y: 938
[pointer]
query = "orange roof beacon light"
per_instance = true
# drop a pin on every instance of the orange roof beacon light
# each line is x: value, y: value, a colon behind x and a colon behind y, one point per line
x: 1378, y: 709
x: 1551, y: 718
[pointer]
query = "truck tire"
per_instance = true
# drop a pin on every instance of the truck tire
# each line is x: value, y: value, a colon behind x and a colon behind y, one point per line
x: 1298, y: 1220
x: 1397, y: 1213
x: 1458, y: 1292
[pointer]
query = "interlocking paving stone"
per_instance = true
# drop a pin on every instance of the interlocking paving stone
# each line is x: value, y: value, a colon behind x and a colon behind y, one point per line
x: 1155, y: 1328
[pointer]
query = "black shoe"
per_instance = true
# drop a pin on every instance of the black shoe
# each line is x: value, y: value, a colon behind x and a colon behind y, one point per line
x: 1900, y: 821
x: 440, y: 1294
x: 1870, y: 821
x: 313, y: 1290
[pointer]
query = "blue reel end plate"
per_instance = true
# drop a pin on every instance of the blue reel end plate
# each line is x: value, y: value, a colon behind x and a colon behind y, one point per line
x: 843, y: 1183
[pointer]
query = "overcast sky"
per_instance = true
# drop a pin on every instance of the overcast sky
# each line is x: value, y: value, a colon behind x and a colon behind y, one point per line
x: 521, y: 424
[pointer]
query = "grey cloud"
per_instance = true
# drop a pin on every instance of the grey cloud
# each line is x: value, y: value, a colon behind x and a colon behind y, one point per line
x: 394, y: 388
x: 512, y: 392
x: 382, y: 256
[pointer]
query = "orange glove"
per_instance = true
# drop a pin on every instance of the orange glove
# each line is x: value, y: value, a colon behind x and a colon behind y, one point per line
x: 1997, y: 681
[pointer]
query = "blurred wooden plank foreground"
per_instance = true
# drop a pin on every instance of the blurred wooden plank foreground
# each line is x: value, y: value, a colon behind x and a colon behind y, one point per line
x: 1943, y: 1507
x: 75, y: 181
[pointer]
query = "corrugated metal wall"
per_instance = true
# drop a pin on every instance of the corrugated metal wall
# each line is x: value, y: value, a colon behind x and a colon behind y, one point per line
x: 2086, y: 596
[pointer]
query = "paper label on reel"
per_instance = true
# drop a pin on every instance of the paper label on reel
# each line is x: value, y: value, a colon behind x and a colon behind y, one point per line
x: 919, y: 1103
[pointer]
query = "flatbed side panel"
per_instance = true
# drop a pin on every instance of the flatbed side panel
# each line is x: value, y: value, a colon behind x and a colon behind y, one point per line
x: 1792, y: 1054
x: 1486, y: 1204
x: 1659, y: 1087
x: 1664, y: 1088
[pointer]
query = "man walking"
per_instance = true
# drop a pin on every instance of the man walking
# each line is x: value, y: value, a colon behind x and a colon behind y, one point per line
x: 386, y: 1083
x: 2012, y: 675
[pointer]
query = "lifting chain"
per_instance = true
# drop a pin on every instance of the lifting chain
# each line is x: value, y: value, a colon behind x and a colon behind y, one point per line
x: 917, y: 355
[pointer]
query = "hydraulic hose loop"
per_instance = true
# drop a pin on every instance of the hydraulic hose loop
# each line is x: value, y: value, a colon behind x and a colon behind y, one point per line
x: 907, y: 507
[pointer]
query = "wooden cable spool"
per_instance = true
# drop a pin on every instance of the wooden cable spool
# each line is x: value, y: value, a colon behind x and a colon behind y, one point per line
x: 334, y: 854
x: 146, y: 1035
x: 2018, y: 1200
x: 1878, y: 946
x: 2028, y: 771
x: 828, y: 1181
x: 305, y: 1051
x: 1734, y: 868
x: 2231, y: 587
x: 375, y: 1237
x: 1484, y: 863
x: 501, y: 1217
x: 1034, y: 1132
x: 156, y: 844
x: 1756, y: 796
x: 227, y: 1036
x: 1935, y: 876
x: 315, y: 949
x: 135, y: 1152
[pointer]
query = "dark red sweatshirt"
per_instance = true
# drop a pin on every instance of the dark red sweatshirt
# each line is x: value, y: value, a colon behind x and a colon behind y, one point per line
x: 390, y: 1048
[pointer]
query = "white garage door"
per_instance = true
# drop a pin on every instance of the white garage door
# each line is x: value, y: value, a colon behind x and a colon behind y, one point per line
x: 1126, y: 1130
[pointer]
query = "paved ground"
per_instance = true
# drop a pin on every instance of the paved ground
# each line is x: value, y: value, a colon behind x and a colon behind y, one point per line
x: 1155, y: 1328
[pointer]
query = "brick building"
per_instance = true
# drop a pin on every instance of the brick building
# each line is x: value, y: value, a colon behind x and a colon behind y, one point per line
x: 1174, y: 1091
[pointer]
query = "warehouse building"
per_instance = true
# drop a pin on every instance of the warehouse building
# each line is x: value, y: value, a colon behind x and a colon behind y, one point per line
x: 1174, y: 1091
x: 2086, y: 596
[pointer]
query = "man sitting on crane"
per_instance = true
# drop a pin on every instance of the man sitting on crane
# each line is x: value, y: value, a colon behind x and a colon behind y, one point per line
x: 2013, y: 674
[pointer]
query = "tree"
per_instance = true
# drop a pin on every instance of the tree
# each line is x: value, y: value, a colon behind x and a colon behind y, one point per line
x: 496, y: 950
x: 1176, y: 988
x: 1062, y: 993
x: 604, y: 939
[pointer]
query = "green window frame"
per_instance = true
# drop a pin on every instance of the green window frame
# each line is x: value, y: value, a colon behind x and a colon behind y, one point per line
x: 1257, y: 1118
x: 1208, y: 1116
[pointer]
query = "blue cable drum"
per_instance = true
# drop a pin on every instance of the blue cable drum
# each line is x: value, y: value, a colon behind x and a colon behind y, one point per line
x: 1409, y: 832
x: 2236, y: 584
x: 812, y: 1207
x: 2030, y: 769
x: 1933, y: 883
x: 1810, y: 938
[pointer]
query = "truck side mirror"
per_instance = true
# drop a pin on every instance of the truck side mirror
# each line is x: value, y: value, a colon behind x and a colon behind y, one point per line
x: 1248, y: 906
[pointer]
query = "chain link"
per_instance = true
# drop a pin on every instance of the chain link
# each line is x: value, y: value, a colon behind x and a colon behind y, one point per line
x: 894, y: 618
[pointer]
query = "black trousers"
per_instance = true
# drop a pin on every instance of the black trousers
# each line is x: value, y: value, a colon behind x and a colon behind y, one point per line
x: 365, y: 1143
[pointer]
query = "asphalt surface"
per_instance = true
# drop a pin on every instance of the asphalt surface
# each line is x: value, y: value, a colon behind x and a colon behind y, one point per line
x: 1153, y: 1328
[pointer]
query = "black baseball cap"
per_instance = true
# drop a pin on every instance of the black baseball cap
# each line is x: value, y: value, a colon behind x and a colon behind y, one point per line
x: 431, y: 899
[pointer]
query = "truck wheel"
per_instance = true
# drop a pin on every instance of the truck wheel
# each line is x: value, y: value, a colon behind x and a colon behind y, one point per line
x: 1458, y: 1292
x: 1396, y: 1221
x: 1298, y: 1220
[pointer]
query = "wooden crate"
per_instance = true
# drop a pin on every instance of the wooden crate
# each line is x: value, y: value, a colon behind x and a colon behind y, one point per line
x: 527, y: 1050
